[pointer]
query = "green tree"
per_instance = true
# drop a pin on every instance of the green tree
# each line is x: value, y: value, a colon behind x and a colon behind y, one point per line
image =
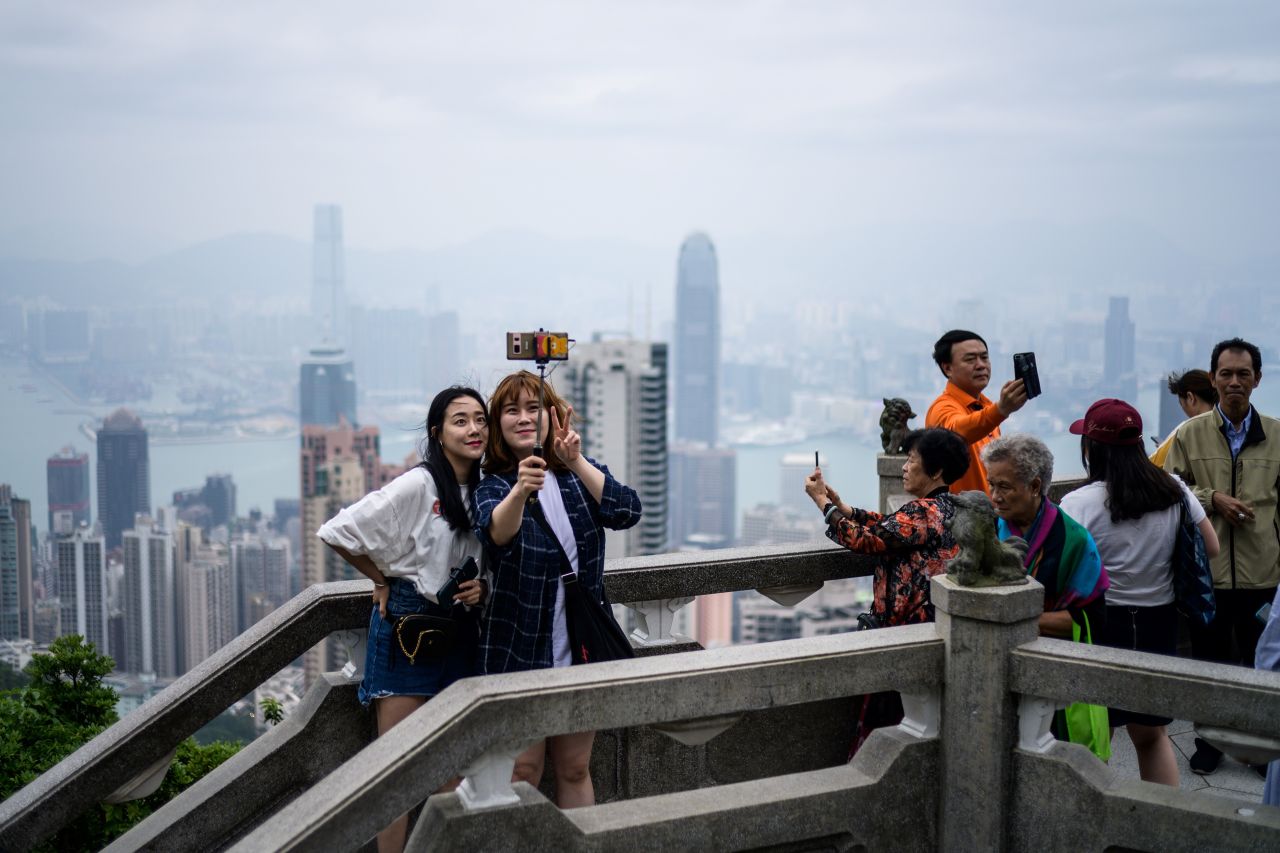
x: 10, y: 678
x: 63, y: 706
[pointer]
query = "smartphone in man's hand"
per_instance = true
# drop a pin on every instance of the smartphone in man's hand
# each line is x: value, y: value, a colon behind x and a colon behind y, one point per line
x: 1024, y: 368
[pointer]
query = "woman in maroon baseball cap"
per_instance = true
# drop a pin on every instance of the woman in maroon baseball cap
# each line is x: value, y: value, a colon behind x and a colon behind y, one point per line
x: 1132, y: 509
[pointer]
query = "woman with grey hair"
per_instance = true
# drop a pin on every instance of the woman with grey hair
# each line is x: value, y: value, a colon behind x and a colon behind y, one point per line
x: 1061, y: 554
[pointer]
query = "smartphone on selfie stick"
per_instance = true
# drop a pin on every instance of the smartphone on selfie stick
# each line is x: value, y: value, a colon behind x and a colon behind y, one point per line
x: 539, y: 347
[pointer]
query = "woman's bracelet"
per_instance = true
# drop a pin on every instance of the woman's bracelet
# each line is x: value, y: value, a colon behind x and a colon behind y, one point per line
x: 829, y: 510
x: 375, y: 583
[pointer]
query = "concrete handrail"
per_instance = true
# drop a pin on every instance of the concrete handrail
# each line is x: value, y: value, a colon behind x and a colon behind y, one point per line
x: 688, y: 573
x: 147, y: 735
x: 477, y: 715
x: 1213, y: 693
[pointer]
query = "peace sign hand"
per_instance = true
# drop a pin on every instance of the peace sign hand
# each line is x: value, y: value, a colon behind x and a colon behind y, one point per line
x: 565, y: 439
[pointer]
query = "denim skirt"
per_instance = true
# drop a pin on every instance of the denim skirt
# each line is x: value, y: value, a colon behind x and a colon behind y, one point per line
x: 387, y: 671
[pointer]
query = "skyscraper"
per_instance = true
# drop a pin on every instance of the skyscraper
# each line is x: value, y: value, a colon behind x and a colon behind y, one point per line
x: 211, y: 609
x: 619, y: 390
x: 1118, y: 362
x: 338, y: 466
x: 68, y: 482
x: 17, y: 582
x: 697, y: 344
x: 328, y: 277
x: 703, y: 498
x: 80, y: 564
x: 327, y: 389
x: 260, y: 567
x: 149, y: 601
x: 124, y: 474
x: 327, y: 392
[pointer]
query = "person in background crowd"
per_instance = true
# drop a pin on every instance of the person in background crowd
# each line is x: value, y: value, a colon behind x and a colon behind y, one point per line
x: 1196, y: 395
x: 962, y: 407
x: 1230, y: 457
x: 1061, y: 554
x: 913, y: 544
x: 1133, y: 509
x: 578, y: 499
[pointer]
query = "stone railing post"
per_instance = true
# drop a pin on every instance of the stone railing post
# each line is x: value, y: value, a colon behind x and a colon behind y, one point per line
x: 981, y: 626
x: 889, y: 472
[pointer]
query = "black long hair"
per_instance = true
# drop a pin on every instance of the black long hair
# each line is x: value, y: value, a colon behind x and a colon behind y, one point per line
x: 1135, y: 485
x: 433, y: 458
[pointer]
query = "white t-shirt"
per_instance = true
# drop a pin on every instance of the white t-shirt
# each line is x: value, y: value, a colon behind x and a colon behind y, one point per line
x: 553, y: 509
x: 1137, y: 552
x: 401, y: 529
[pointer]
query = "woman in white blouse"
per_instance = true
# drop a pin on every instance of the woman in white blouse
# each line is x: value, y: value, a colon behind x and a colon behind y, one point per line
x: 407, y: 537
x: 1132, y: 509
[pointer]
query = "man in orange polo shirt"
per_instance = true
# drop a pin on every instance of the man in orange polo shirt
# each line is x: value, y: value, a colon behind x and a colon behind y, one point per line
x: 962, y: 407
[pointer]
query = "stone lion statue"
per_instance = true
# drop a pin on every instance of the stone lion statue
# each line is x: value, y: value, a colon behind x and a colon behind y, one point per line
x: 983, y: 560
x: 893, y: 423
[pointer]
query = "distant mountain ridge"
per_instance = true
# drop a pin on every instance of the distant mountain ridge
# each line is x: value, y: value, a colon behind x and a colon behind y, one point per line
x: 525, y: 270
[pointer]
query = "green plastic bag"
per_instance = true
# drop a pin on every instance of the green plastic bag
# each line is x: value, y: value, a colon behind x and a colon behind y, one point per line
x: 1088, y: 725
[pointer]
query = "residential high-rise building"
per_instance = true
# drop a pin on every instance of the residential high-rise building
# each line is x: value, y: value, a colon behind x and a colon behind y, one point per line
x: 149, y: 602
x: 703, y: 495
x: 619, y: 390
x: 124, y: 474
x: 17, y: 580
x: 793, y: 468
x: 697, y: 342
x: 337, y: 467
x: 261, y: 570
x: 327, y: 389
x: 211, y: 607
x: 68, y: 482
x: 766, y: 524
x: 80, y: 565
x: 328, y: 277
x: 188, y: 539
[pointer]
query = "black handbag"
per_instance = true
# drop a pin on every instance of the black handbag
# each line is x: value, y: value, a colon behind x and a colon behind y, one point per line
x: 421, y: 635
x: 1192, y: 576
x: 594, y: 635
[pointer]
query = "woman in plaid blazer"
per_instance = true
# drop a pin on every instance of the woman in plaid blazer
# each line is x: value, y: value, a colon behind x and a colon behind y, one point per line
x: 524, y: 625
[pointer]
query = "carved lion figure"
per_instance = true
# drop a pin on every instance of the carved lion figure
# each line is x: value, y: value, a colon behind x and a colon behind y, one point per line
x: 984, y: 560
x: 893, y: 423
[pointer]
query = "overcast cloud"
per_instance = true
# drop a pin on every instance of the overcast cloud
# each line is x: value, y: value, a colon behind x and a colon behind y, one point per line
x: 436, y: 122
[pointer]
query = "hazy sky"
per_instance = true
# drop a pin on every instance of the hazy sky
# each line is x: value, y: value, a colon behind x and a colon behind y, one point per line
x: 434, y: 122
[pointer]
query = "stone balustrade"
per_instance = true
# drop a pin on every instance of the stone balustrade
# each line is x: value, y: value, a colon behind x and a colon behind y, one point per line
x: 141, y: 744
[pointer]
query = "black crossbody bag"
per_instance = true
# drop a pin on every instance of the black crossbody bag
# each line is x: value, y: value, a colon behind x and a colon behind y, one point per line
x: 594, y: 635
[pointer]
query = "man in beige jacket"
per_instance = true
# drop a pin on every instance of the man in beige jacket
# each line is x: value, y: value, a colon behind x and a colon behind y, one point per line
x: 1230, y: 457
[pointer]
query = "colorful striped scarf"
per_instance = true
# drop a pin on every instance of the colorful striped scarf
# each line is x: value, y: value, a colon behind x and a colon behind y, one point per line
x: 1062, y: 556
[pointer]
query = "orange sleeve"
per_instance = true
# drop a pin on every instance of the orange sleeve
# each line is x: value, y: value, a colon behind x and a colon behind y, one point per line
x: 949, y: 413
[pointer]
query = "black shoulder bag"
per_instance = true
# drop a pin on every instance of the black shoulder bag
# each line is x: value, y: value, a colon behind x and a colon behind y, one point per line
x: 594, y: 635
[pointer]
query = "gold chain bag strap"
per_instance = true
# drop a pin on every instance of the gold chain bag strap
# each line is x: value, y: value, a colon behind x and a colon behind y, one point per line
x: 424, y: 635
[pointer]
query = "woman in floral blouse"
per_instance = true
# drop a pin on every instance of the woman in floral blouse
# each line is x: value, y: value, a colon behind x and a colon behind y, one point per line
x: 913, y: 544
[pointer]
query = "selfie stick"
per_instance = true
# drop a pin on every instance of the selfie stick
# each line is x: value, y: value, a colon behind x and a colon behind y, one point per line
x: 537, y: 440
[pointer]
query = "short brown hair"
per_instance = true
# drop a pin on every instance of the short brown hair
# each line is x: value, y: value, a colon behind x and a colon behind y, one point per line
x: 1197, y: 382
x: 499, y: 457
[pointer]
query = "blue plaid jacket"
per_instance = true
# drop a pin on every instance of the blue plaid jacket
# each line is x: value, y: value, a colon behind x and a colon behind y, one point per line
x: 516, y: 632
